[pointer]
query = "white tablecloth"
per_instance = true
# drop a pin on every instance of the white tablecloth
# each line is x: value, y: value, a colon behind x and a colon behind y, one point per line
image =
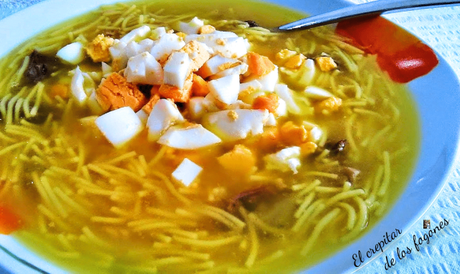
x: 439, y: 28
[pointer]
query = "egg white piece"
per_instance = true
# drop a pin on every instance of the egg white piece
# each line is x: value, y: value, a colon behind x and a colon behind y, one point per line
x: 284, y: 160
x: 73, y: 53
x: 135, y: 34
x: 144, y: 69
x: 232, y: 125
x: 191, y: 137
x: 186, y: 172
x: 177, y: 69
x: 164, y: 114
x: 119, y: 126
x: 225, y: 89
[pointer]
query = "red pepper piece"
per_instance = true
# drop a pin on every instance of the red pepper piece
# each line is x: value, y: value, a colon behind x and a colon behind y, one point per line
x: 399, y: 53
x: 9, y: 222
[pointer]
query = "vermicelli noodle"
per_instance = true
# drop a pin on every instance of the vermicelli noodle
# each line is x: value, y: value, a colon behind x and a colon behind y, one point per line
x: 91, y: 207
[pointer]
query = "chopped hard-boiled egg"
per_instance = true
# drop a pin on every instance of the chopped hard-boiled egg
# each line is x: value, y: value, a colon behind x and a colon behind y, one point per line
x: 194, y: 136
x: 197, y: 107
x: 240, y: 160
x: 270, y: 80
x: 158, y: 32
x: 231, y: 125
x: 309, y: 71
x: 216, y: 64
x: 144, y: 69
x: 76, y: 86
x: 233, y: 47
x: 284, y: 160
x: 186, y: 172
x: 315, y: 134
x: 225, y: 89
x: 203, y: 70
x: 285, y: 94
x: 120, y: 125
x: 198, y: 52
x: 240, y: 68
x: 177, y: 69
x: 163, y: 115
x: 143, y: 116
x: 133, y: 48
x: 191, y: 27
x: 135, y: 34
x: 106, y: 69
x: 72, y: 53
x: 167, y: 43
x: 250, y: 87
x: 317, y: 93
x: 226, y: 43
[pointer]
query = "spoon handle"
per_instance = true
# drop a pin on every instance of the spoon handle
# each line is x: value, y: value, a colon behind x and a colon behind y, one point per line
x: 371, y: 8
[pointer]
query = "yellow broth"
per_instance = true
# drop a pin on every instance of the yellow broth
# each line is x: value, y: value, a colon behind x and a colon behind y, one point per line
x: 89, y: 207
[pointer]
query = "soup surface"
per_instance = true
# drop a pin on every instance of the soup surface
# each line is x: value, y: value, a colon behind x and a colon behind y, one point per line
x: 312, y: 152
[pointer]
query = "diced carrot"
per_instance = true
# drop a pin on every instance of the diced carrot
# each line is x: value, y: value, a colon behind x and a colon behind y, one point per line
x: 9, y: 222
x: 259, y: 65
x: 60, y: 90
x: 269, y: 102
x: 115, y: 92
x: 200, y: 86
x: 176, y: 94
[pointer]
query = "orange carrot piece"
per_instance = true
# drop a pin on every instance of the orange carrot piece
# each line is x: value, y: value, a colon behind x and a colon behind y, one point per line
x: 268, y: 102
x: 9, y: 222
x: 259, y: 65
x: 60, y: 90
x: 200, y: 86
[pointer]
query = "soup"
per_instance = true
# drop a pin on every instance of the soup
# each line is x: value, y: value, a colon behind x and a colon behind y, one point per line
x: 313, y: 150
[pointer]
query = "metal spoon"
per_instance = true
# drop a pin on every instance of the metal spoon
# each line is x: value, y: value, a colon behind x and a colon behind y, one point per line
x: 371, y: 8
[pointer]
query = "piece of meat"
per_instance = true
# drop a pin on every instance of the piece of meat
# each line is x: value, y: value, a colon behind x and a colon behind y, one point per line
x: 39, y: 67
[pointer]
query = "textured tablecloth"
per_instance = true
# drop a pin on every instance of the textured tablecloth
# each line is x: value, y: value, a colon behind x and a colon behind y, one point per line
x: 440, y: 28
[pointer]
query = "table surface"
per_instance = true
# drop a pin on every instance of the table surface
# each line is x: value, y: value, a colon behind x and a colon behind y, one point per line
x: 440, y: 29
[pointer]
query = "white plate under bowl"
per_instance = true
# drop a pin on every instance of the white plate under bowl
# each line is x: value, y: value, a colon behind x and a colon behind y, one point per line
x: 436, y: 94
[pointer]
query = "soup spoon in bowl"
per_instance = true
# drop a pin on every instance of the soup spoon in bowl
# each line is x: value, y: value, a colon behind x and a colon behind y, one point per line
x: 366, y: 9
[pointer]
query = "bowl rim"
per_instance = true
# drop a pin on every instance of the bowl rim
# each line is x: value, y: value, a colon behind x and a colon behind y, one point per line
x: 428, y: 179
